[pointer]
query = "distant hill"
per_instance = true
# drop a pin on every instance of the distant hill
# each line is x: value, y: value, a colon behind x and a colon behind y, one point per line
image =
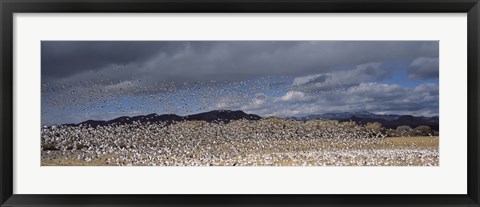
x: 222, y: 115
x: 363, y: 117
x: 347, y: 115
x: 211, y: 116
x: 389, y: 121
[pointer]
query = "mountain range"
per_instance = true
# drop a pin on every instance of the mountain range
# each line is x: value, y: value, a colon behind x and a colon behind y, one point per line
x: 211, y: 116
x: 225, y: 116
x: 388, y: 120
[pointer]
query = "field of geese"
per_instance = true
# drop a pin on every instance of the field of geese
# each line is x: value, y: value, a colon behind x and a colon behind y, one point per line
x: 267, y: 141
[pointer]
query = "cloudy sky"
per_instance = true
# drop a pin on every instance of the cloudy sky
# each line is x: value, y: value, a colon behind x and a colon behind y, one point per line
x: 101, y: 80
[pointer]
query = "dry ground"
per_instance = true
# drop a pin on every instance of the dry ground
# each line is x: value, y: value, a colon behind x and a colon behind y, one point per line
x: 398, y: 151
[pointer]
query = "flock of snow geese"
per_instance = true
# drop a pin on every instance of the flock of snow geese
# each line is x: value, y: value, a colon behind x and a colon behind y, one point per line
x: 266, y: 142
x: 184, y: 97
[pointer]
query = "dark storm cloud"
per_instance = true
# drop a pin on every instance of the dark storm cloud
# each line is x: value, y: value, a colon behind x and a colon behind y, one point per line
x: 342, y: 79
x: 211, y: 60
x: 423, y: 68
x: 65, y: 58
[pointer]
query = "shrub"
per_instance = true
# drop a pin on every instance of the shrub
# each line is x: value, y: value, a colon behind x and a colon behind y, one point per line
x: 375, y: 126
x: 423, y: 131
x: 404, y: 128
x: 392, y: 133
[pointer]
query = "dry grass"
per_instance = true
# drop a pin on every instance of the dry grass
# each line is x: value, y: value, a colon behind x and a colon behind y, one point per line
x: 418, y: 142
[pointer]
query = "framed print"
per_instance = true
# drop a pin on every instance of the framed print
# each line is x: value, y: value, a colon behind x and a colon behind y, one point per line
x: 241, y: 103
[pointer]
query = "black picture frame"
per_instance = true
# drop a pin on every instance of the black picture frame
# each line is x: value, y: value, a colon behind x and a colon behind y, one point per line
x: 9, y: 7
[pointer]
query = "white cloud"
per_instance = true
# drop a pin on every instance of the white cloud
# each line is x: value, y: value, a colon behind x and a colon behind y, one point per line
x: 293, y: 96
x: 427, y: 88
x: 373, y: 97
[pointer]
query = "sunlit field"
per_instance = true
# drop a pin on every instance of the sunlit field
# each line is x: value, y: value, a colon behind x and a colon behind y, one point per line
x: 266, y: 142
